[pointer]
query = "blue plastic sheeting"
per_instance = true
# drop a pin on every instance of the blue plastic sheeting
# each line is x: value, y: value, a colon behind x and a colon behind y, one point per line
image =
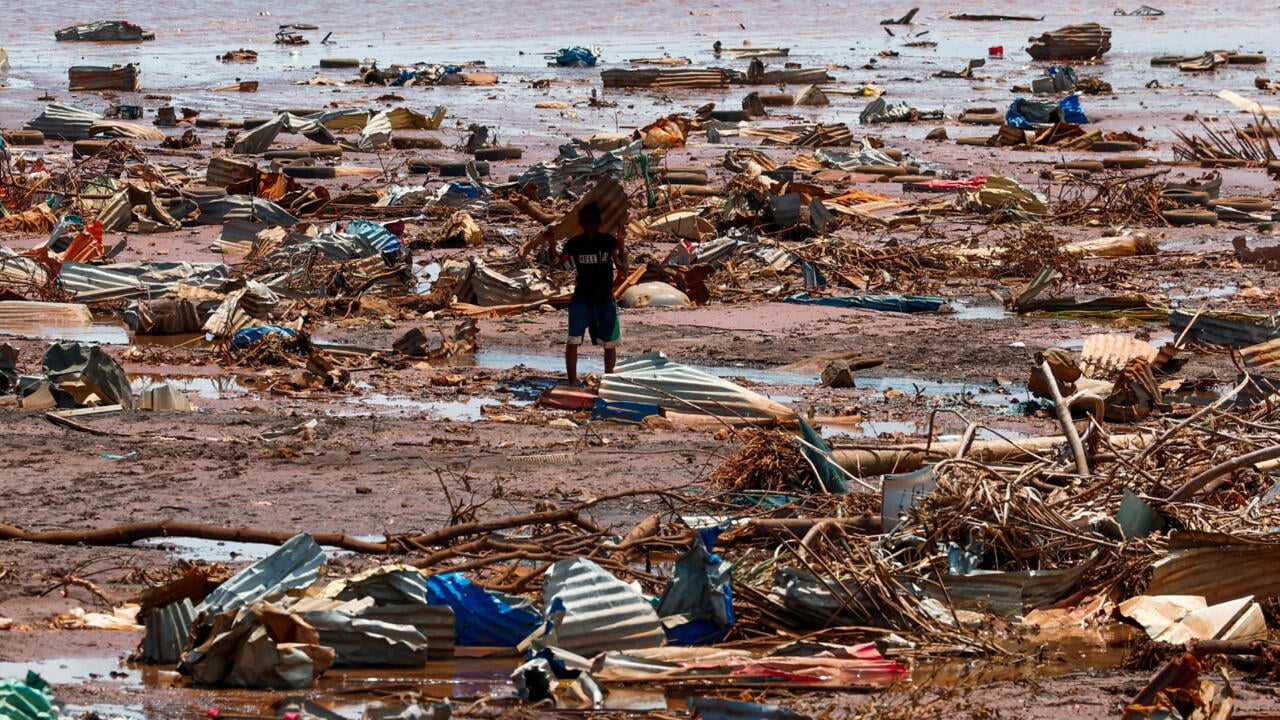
x: 623, y: 411
x: 245, y: 337
x: 890, y: 303
x: 294, y: 564
x: 1025, y: 114
x: 29, y: 699
x: 480, y: 617
x: 377, y: 235
x: 701, y: 588
x: 576, y: 57
x: 432, y: 76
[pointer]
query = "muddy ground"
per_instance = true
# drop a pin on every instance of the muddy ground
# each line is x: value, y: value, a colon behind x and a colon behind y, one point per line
x: 412, y: 440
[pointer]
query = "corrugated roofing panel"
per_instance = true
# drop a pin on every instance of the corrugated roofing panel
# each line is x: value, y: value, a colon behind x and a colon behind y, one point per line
x: 64, y: 122
x: 654, y: 379
x: 168, y: 632
x: 294, y: 564
x: 600, y: 611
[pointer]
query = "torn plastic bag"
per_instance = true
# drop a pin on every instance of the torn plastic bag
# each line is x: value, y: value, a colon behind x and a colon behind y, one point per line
x: 700, y: 593
x: 576, y: 57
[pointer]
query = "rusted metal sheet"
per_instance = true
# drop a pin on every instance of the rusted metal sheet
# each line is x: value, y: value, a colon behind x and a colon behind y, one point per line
x: 1217, y: 567
x: 1105, y: 355
x: 1073, y: 42
x: 666, y: 78
x: 225, y: 171
x: 93, y: 77
x: 1263, y: 355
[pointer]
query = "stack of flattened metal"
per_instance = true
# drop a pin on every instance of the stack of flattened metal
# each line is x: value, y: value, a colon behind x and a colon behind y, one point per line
x: 1073, y: 42
x: 666, y: 78
x: 116, y: 77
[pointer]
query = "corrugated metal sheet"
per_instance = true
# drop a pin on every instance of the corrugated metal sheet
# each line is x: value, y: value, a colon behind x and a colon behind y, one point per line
x: 1011, y: 593
x: 798, y: 76
x: 1233, y: 330
x: 365, y: 642
x: 21, y: 270
x: 1104, y: 355
x: 220, y: 210
x: 493, y: 288
x: 654, y: 379
x: 225, y: 171
x: 91, y: 283
x: 95, y: 77
x: 1263, y: 355
x: 295, y: 564
x: 20, y: 312
x: 1218, y: 567
x: 1073, y: 42
x: 667, y: 78
x: 120, y: 129
x: 600, y: 611
x: 64, y: 122
x: 434, y: 622
x: 127, y: 281
x: 168, y: 632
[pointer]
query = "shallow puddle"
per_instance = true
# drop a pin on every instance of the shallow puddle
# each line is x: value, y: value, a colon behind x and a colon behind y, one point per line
x: 876, y: 428
x: 98, y: 332
x: 990, y: 396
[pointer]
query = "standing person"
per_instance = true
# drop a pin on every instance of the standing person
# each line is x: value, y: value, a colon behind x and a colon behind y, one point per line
x: 592, y: 308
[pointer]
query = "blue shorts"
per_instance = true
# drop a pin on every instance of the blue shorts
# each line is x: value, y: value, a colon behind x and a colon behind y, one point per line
x: 600, y: 320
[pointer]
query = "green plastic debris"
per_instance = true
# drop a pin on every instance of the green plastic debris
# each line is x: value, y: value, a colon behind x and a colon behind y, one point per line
x: 29, y: 699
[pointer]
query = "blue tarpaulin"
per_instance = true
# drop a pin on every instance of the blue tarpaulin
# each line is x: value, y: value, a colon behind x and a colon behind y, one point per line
x: 891, y: 303
x: 481, y: 618
x: 245, y: 337
x: 1025, y: 114
x: 377, y: 235
x: 576, y: 57
x: 701, y: 590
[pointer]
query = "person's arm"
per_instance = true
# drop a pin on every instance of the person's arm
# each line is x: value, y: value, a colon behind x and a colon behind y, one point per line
x: 620, y: 254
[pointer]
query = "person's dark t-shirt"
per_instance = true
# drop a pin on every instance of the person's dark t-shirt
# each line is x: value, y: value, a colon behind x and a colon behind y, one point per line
x: 593, y: 257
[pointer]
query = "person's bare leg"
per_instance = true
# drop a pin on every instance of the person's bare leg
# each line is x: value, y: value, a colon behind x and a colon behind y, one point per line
x: 571, y: 362
x: 610, y: 359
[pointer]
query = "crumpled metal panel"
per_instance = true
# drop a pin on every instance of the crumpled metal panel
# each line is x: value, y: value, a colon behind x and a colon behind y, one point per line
x: 64, y: 122
x: 363, y: 642
x: 376, y: 133
x: 259, y: 139
x: 168, y: 632
x: 220, y: 210
x: 493, y: 288
x: 654, y: 379
x: 83, y: 369
x: 295, y: 564
x: 128, y: 281
x: 601, y: 612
